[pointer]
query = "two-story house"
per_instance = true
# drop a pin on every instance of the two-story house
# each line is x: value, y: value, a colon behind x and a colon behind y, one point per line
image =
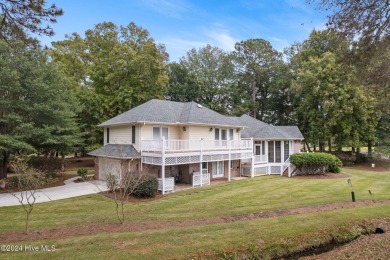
x: 188, y: 143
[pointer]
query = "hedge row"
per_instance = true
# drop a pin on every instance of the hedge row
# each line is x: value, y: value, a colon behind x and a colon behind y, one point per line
x: 316, y: 163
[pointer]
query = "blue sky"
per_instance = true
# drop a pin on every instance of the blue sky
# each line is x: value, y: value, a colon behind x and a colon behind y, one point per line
x: 184, y: 24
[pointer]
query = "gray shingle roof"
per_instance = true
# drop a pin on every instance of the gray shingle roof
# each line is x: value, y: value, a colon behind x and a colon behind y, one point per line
x: 291, y: 131
x: 186, y: 113
x: 123, y: 151
x: 169, y: 112
x: 260, y: 130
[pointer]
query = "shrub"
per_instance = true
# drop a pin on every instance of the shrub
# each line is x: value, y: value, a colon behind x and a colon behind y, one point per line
x: 316, y: 163
x: 347, y: 158
x: 45, y: 164
x: 112, y: 182
x: 82, y: 173
x: 26, y: 181
x: 147, y: 186
x: 361, y: 158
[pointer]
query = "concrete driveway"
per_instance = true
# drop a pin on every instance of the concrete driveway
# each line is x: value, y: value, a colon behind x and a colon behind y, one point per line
x: 69, y: 190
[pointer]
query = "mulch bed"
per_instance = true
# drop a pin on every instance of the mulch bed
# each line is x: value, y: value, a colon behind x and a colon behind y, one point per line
x: 76, y: 163
x: 88, y: 178
x: 367, y: 167
x: 59, y: 181
x: 111, y: 195
x: 72, y: 164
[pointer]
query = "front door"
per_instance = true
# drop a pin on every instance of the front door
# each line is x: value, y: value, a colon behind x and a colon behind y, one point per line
x: 218, y: 169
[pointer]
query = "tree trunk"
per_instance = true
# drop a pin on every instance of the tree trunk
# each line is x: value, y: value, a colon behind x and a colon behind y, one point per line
x: 4, y: 166
x: 329, y: 145
x: 307, y: 145
x: 321, y: 147
x: 369, y: 152
x: 62, y: 162
x: 254, y: 95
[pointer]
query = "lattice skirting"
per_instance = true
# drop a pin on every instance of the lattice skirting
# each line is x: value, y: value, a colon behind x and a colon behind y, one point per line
x: 176, y: 160
x: 261, y: 170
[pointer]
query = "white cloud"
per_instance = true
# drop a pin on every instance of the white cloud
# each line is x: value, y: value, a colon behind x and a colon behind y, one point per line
x: 278, y: 43
x: 221, y: 38
x: 170, y: 8
x: 178, y: 47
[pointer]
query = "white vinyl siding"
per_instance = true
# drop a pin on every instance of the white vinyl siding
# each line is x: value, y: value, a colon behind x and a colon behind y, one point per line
x: 184, y: 132
x: 147, y: 132
x: 198, y: 132
x: 191, y: 132
x: 121, y: 135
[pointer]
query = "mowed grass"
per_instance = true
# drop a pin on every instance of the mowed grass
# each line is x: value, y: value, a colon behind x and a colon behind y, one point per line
x: 262, y: 237
x: 228, y: 199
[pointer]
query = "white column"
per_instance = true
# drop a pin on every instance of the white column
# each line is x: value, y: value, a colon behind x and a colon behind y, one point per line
x: 120, y: 172
x: 253, y: 161
x: 292, y: 148
x: 163, y: 165
x: 229, y: 162
x: 200, y: 164
x: 282, y: 156
x: 140, y: 145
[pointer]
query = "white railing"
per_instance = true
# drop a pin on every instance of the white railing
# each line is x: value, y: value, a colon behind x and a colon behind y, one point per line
x: 286, y: 166
x: 196, y: 179
x: 169, y: 184
x: 194, y: 145
x: 261, y: 158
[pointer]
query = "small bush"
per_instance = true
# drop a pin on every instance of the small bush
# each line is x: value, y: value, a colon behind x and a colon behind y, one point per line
x: 112, y: 182
x: 82, y: 173
x: 26, y: 181
x: 347, y: 158
x: 361, y: 158
x: 45, y: 164
x: 316, y: 163
x: 146, y: 187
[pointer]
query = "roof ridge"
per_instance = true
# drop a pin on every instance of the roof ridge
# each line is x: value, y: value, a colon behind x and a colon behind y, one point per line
x: 142, y: 114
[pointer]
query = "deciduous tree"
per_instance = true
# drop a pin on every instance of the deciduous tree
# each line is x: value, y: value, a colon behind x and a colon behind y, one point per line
x: 112, y: 69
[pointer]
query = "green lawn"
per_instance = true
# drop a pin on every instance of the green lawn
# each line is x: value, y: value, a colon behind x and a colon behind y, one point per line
x: 238, y: 197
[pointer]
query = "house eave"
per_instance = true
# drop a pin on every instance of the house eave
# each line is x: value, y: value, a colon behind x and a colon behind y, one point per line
x: 173, y: 124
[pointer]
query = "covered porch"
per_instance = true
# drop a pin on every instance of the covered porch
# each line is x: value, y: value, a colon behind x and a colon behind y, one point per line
x: 189, y: 158
x: 271, y: 157
x: 194, y: 174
